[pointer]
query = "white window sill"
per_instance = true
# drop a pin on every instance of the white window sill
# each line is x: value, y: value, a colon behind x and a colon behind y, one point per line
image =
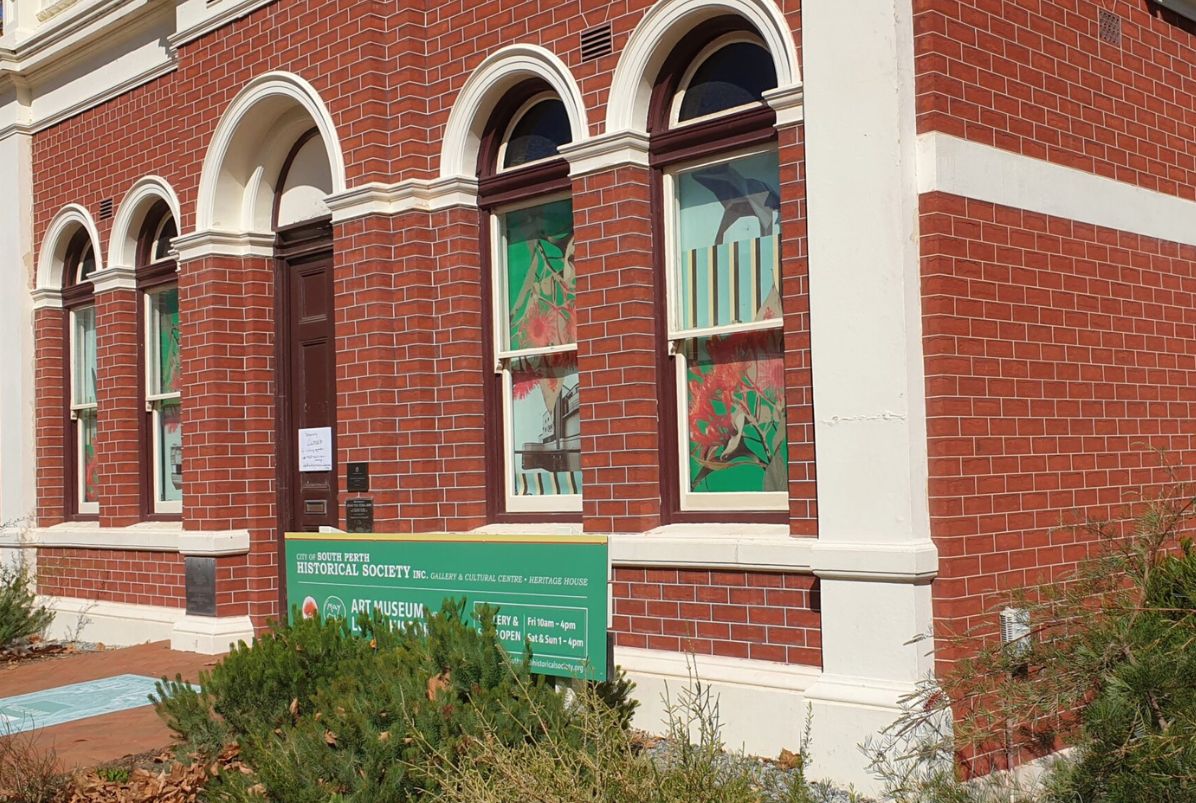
x: 733, y: 547
x: 150, y: 536
x: 556, y: 528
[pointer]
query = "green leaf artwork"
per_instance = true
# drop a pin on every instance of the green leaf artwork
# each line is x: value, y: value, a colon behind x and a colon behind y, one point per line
x: 544, y: 447
x: 541, y: 279
x: 167, y: 309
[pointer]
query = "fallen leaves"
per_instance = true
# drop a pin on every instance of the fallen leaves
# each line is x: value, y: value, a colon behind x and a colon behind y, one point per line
x: 788, y: 760
x: 439, y: 683
x: 164, y: 781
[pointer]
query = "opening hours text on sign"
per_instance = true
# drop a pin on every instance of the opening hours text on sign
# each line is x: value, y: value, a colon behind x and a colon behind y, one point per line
x: 551, y: 591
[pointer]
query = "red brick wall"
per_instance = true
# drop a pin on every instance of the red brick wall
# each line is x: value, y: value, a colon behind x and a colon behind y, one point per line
x: 410, y: 367
x: 140, y: 578
x: 226, y: 319
x: 50, y: 388
x: 799, y: 380
x: 756, y: 615
x: 1034, y: 77
x: 1058, y: 356
x: 118, y: 451
x: 459, y: 363
x: 617, y: 357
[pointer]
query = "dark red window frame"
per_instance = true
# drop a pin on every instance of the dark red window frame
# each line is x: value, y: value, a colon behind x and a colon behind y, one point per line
x: 150, y: 276
x: 75, y: 294
x: 670, y: 145
x: 497, y: 189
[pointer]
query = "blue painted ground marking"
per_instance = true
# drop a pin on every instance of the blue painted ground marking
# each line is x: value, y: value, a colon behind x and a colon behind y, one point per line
x: 42, y: 709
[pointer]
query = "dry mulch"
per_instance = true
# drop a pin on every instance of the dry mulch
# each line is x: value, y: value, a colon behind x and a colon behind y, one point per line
x: 36, y: 648
x: 160, y: 779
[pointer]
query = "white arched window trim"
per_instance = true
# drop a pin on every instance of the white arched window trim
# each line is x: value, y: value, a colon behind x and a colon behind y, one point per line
x: 51, y: 258
x: 497, y: 74
x: 663, y: 27
x: 236, y: 187
x: 126, y: 226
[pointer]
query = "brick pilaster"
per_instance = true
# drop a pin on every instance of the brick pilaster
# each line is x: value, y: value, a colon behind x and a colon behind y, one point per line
x: 616, y: 319
x: 226, y: 316
x: 50, y: 387
x: 368, y: 375
x: 795, y: 302
x: 118, y: 447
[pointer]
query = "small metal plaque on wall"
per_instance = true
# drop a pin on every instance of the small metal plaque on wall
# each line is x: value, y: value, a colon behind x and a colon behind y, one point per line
x: 359, y: 515
x: 200, y: 577
x: 358, y: 477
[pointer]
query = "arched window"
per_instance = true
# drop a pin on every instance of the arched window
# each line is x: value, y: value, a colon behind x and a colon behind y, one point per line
x: 535, y: 425
x: 713, y: 142
x: 78, y: 296
x: 162, y: 431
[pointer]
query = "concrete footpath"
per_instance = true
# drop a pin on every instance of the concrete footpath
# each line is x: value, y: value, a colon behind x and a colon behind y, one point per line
x: 108, y: 737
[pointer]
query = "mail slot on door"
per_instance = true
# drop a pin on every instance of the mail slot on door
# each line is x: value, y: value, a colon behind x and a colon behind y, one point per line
x: 316, y: 507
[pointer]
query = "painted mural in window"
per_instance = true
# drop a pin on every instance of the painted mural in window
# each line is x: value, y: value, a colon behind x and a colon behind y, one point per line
x: 728, y: 275
x: 540, y: 330
x: 165, y: 396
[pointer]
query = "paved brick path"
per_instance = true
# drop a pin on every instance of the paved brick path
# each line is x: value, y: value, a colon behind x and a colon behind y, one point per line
x: 98, y: 740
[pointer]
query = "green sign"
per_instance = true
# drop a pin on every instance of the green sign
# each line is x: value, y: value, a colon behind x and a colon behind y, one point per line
x: 551, y: 591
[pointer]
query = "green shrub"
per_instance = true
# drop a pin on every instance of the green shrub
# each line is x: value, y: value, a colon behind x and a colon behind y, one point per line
x: 20, y: 615
x: 1110, y: 669
x: 321, y: 714
x: 1138, y: 734
x: 594, y: 758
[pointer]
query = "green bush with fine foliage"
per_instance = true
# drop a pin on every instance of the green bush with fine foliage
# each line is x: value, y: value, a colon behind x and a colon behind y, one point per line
x: 1109, y: 668
x: 20, y: 615
x: 320, y: 713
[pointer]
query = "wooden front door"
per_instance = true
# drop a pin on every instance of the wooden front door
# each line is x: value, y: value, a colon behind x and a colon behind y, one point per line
x: 308, y: 392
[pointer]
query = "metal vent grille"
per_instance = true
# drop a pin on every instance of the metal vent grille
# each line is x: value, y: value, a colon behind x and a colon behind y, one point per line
x: 105, y: 209
x: 597, y: 42
x: 1110, y: 27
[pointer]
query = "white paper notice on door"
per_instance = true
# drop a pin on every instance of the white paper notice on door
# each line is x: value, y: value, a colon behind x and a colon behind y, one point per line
x: 315, y: 449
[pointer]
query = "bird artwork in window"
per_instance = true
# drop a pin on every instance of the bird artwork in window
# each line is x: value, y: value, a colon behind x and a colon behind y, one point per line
x: 741, y: 197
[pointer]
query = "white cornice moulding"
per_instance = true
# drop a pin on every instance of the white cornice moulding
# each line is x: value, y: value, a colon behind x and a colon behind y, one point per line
x: 213, y: 544
x: 44, y: 298
x: 52, y: 11
x: 223, y: 243
x: 148, y: 537
x: 735, y: 547
x: 114, y: 277
x: 48, y: 36
x: 956, y: 166
x: 406, y: 196
x: 789, y: 103
x: 875, y: 562
x: 216, y: 20
x: 82, y: 28
x: 14, y: 129
x: 606, y: 152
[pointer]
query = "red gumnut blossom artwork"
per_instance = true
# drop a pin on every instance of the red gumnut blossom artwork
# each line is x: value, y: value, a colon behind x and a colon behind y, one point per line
x: 737, y: 436
x: 91, y: 473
